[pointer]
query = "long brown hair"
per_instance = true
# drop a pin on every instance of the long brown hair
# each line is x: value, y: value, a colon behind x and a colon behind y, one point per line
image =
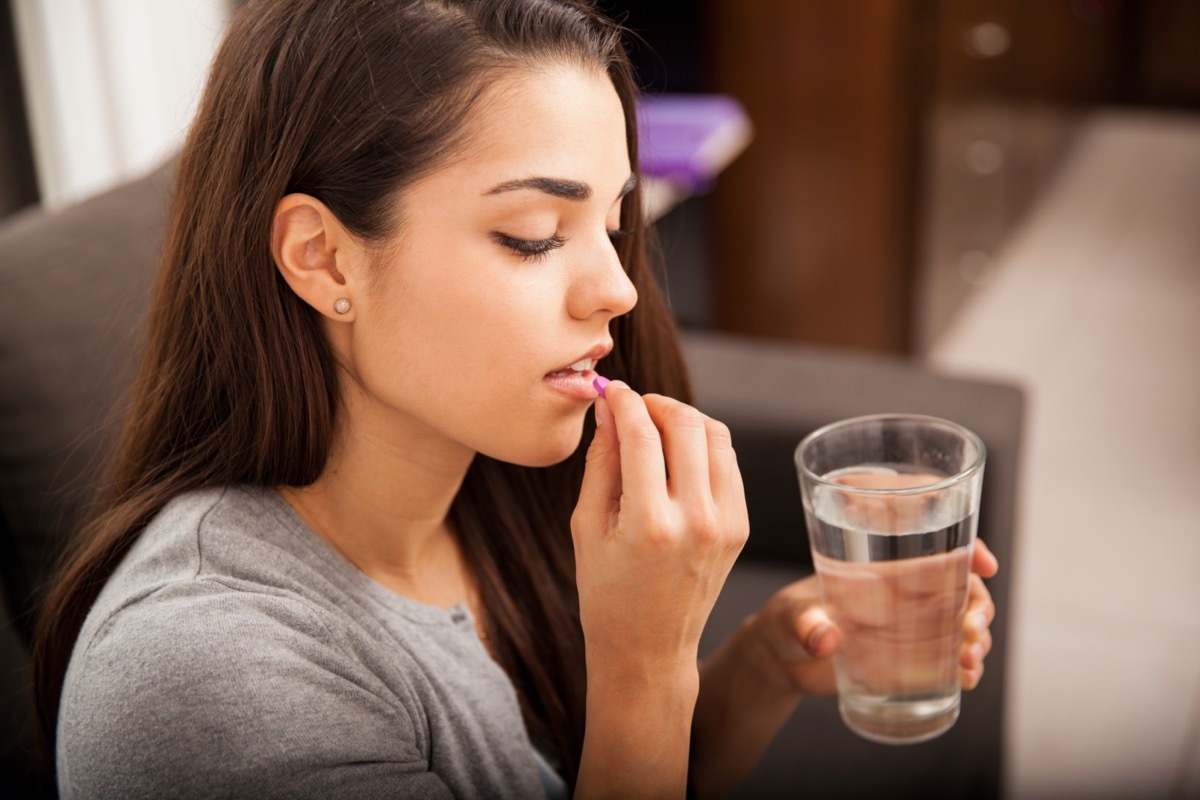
x: 349, y: 101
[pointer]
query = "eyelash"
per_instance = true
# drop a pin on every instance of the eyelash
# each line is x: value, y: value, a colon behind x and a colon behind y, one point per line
x: 538, y: 249
x: 529, y: 249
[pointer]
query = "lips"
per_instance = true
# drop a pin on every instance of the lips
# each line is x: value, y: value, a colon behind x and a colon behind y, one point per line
x: 575, y: 379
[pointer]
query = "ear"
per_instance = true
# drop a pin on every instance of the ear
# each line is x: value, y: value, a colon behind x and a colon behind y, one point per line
x: 315, y: 255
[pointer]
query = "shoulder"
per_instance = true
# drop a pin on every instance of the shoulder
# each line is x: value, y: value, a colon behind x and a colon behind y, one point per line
x: 216, y: 546
x: 204, y: 641
x: 219, y: 600
x: 200, y: 685
x: 175, y: 543
x: 207, y: 522
x: 210, y: 665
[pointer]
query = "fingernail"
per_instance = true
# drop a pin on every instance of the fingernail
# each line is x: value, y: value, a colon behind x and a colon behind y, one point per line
x: 600, y: 413
x: 979, y: 623
x: 814, y: 639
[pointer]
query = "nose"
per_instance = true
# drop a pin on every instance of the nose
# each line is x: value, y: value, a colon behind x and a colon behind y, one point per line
x: 601, y: 285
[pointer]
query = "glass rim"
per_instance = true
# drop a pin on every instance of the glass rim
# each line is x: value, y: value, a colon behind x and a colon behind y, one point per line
x: 958, y: 477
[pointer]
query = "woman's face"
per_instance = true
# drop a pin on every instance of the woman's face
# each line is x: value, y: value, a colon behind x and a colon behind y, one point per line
x: 501, y: 276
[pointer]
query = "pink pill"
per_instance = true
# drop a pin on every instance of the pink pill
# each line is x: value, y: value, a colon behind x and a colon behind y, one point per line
x: 600, y: 383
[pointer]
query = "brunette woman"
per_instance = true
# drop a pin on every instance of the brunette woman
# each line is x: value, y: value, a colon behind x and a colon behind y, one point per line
x: 350, y: 544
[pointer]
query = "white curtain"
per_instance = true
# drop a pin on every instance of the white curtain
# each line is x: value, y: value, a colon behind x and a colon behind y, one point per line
x: 111, y: 85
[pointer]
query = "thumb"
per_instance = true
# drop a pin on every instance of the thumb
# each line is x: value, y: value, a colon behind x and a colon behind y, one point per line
x: 601, y: 488
x: 817, y: 633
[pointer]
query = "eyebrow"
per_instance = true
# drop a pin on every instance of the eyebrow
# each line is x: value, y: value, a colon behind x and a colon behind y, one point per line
x: 558, y: 187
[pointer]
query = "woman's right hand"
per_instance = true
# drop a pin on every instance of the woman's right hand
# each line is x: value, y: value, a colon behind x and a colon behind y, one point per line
x: 660, y: 520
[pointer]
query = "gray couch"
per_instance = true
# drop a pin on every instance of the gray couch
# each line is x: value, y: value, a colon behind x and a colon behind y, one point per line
x: 72, y: 287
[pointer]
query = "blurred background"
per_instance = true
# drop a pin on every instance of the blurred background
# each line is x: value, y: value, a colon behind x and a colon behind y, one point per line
x: 1001, y: 188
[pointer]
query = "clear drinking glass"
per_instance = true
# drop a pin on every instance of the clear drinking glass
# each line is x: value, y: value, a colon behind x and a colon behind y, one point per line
x: 892, y: 503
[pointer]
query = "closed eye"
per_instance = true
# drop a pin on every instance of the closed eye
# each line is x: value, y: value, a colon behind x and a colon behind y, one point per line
x: 528, y: 249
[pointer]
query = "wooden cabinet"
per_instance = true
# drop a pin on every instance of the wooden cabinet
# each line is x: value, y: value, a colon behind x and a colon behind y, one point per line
x: 1009, y: 84
x: 899, y: 142
x: 813, y: 224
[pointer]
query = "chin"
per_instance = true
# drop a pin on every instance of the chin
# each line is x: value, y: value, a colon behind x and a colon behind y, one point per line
x: 552, y: 448
x: 544, y: 457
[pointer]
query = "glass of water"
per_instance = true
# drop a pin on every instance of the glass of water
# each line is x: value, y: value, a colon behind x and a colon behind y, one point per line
x: 892, y: 503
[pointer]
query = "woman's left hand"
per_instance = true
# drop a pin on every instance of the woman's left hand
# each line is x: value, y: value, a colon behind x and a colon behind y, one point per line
x: 750, y: 685
x: 796, y: 638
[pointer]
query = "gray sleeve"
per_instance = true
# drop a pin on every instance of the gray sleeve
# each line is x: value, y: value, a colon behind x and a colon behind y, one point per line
x: 226, y: 694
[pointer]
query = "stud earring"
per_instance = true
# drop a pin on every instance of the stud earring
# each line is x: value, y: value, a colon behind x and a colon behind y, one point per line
x: 342, y: 306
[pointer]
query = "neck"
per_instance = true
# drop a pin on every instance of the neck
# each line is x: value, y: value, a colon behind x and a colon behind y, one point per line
x: 383, y: 500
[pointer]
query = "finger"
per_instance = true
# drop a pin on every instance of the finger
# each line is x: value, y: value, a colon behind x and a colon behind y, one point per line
x: 641, y: 448
x: 984, y: 644
x: 601, y: 489
x: 983, y: 561
x: 973, y: 654
x: 971, y: 677
x: 738, y: 507
x: 723, y: 473
x: 685, y: 447
x: 980, y: 609
x: 725, y: 481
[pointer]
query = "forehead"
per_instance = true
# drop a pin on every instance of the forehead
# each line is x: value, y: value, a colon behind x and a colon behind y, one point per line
x: 559, y: 120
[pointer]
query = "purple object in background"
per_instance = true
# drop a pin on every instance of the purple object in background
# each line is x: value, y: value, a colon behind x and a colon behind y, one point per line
x: 687, y: 139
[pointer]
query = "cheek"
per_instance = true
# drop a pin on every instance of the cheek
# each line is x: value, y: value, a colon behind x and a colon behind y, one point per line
x: 467, y: 359
x: 443, y: 322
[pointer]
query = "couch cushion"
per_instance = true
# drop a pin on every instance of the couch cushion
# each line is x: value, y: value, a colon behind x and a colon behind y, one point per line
x: 73, y: 286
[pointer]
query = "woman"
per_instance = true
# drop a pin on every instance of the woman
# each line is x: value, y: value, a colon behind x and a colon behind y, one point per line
x: 333, y: 558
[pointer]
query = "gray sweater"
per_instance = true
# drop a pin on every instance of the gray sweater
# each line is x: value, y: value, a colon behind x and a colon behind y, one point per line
x: 234, y: 653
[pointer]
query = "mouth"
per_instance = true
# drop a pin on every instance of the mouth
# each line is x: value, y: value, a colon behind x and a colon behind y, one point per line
x: 575, y: 379
x: 584, y: 364
x: 580, y: 367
